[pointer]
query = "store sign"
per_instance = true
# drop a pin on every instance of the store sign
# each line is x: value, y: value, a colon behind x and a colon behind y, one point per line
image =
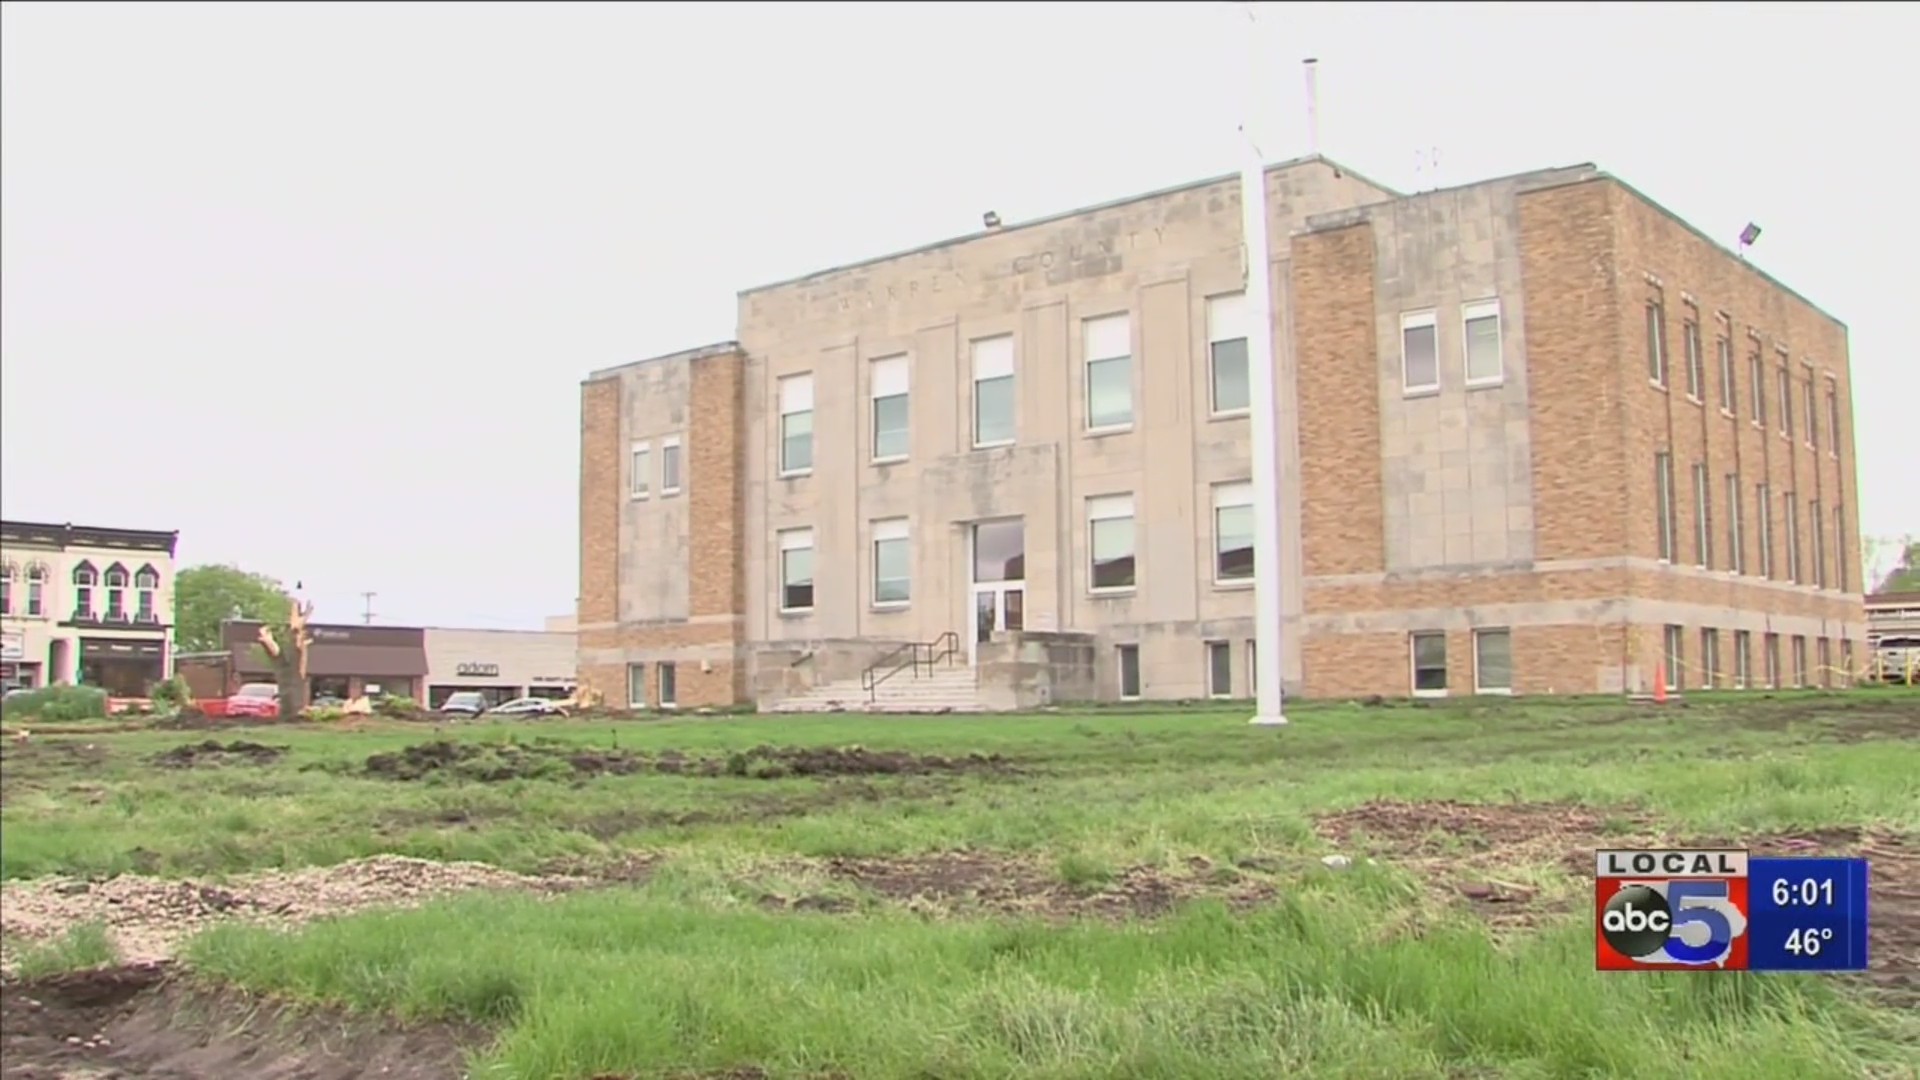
x: 471, y: 669
x: 13, y: 645
x: 553, y: 678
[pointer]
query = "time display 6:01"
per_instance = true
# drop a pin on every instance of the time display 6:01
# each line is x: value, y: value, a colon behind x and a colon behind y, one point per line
x: 1807, y: 892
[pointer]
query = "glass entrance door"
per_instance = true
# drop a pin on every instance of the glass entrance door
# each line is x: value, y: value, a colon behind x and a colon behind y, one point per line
x: 999, y: 581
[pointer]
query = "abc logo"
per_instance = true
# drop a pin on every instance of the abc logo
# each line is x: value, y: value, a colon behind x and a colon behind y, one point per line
x: 1636, y: 922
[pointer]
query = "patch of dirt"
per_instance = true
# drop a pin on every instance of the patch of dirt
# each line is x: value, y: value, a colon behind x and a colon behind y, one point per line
x: 495, y: 762
x: 1838, y: 717
x: 938, y: 884
x: 128, y: 1022
x: 214, y: 752
x: 148, y: 917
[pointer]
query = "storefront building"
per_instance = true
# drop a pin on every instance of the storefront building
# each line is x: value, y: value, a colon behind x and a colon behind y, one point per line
x: 81, y: 604
x: 343, y: 662
x: 500, y: 664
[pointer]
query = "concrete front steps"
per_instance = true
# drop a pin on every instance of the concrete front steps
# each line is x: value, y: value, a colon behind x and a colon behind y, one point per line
x: 945, y: 689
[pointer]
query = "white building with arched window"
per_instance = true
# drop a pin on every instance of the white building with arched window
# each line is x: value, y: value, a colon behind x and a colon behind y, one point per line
x: 83, y: 604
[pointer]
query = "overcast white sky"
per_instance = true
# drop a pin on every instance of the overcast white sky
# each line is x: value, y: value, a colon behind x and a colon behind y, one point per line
x: 316, y: 284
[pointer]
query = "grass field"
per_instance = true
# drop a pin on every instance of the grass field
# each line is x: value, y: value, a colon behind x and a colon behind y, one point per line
x: 1100, y: 895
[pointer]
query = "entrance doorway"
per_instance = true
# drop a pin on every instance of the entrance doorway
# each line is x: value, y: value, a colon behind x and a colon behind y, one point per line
x: 999, y: 550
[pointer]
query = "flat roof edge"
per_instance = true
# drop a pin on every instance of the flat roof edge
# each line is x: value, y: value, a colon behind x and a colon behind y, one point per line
x: 698, y: 352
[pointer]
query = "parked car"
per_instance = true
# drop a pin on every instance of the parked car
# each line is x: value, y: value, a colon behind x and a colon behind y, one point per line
x: 327, y: 701
x: 255, y: 699
x: 465, y: 703
x: 528, y: 706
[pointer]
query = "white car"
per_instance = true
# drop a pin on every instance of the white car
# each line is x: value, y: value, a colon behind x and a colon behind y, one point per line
x: 528, y: 706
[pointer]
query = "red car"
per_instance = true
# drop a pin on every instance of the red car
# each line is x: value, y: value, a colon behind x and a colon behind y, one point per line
x: 255, y: 699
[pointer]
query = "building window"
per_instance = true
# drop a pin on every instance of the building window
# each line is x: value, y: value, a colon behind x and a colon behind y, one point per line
x: 1709, y: 659
x: 641, y: 466
x: 796, y: 425
x: 1663, y: 502
x: 1429, y: 664
x: 1419, y: 353
x: 1723, y: 350
x: 1817, y: 522
x: 1773, y: 661
x: 1108, y: 343
x: 1813, y: 413
x: 1657, y: 344
x: 1129, y: 656
x: 1253, y: 667
x: 892, y: 400
x: 1227, y: 327
x: 1846, y: 662
x: 1493, y: 661
x: 1233, y: 532
x: 1696, y: 363
x: 1757, y: 388
x: 1737, y: 561
x: 796, y: 570
x: 1219, y: 669
x: 116, y: 581
x: 993, y: 399
x: 1842, y: 579
x: 1762, y: 502
x: 6, y: 588
x: 1786, y: 403
x: 1485, y: 366
x: 1833, y: 416
x: 1790, y: 517
x: 1799, y: 660
x: 892, y: 563
x: 1110, y: 538
x: 146, y: 581
x: 670, y: 466
x: 1742, y: 659
x: 1702, y: 520
x: 1826, y: 662
x: 636, y: 686
x: 1676, y: 658
x: 669, y: 693
x: 36, y: 589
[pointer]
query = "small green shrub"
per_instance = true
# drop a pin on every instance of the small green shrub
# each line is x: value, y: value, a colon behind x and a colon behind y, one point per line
x: 59, y: 704
x: 396, y: 707
x: 171, y: 694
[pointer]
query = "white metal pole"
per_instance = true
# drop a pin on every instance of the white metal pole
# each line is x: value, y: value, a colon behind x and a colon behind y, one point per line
x: 1265, y: 413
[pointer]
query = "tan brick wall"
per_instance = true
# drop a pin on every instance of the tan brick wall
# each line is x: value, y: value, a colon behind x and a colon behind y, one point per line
x: 716, y: 472
x: 1342, y: 520
x: 600, y: 501
x: 1352, y: 665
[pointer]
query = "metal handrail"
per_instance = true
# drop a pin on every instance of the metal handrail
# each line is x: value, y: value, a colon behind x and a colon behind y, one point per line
x: 945, y: 647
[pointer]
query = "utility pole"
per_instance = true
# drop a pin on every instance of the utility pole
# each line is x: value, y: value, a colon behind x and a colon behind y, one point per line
x: 1267, y: 567
x: 366, y: 615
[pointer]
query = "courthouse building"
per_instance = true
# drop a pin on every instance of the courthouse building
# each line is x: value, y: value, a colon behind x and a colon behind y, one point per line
x: 1537, y: 435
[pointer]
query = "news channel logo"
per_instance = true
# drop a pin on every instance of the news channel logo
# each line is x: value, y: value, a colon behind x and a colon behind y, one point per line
x: 1686, y: 921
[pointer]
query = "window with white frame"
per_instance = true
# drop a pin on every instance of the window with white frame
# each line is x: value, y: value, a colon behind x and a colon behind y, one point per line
x: 636, y: 686
x: 84, y: 580
x: 1482, y: 341
x: 1799, y: 660
x: 1723, y: 349
x: 890, y: 385
x: 7, y: 573
x: 670, y: 465
x: 1773, y: 660
x: 1825, y: 674
x: 1737, y: 560
x: 796, y: 570
x: 640, y: 470
x: 1790, y: 520
x: 796, y: 424
x: 1228, y: 323
x: 1757, y: 388
x: 1709, y: 658
x: 1419, y: 353
x: 892, y: 563
x: 1663, y: 502
x: 146, y: 581
x: 37, y: 589
x: 1702, y: 519
x: 116, y: 582
x: 1253, y: 667
x: 1657, y: 343
x: 669, y: 685
x: 1813, y: 413
x: 1763, y: 503
x: 1676, y: 656
x: 1108, y: 343
x: 1493, y: 661
x: 1110, y: 543
x: 993, y: 393
x: 1833, y: 416
x: 1742, y: 659
x: 1219, y: 669
x: 1786, y: 402
x: 1129, y: 658
x: 1233, y: 531
x: 1428, y: 655
x: 1842, y: 578
x: 1696, y: 362
x: 1818, y: 531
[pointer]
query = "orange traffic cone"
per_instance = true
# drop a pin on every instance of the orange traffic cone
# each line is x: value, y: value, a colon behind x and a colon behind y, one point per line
x: 1660, y: 683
